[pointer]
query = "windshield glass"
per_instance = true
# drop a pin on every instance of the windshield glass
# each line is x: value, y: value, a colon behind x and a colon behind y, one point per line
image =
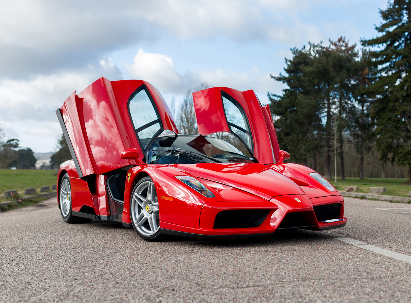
x: 189, y: 149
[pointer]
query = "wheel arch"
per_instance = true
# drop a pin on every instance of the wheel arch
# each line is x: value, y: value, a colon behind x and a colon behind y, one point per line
x: 59, y: 179
x: 136, y: 174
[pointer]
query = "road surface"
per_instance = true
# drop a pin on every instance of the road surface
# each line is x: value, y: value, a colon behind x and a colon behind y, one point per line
x: 43, y: 259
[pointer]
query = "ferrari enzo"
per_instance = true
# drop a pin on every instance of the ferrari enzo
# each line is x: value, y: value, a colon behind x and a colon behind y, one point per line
x: 130, y: 165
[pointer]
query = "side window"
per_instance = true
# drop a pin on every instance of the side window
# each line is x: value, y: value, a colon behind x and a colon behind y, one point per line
x: 237, y: 121
x: 144, y: 117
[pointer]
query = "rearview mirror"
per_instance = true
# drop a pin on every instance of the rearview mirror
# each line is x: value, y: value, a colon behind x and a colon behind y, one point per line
x: 282, y: 156
x: 131, y: 153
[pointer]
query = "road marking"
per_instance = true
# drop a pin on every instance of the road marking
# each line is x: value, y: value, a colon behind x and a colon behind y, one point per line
x: 390, y: 208
x: 389, y: 253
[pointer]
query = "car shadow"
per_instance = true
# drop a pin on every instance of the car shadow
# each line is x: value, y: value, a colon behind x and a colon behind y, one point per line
x: 280, y: 237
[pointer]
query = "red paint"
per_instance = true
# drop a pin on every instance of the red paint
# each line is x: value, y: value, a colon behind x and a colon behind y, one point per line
x: 211, y: 118
x: 103, y: 138
x: 271, y: 129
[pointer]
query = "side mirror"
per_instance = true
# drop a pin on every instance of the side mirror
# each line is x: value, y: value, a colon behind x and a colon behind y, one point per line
x: 131, y: 153
x: 282, y: 156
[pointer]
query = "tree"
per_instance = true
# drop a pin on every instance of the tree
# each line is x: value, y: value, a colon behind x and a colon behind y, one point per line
x: 61, y: 155
x: 345, y: 67
x: 391, y: 83
x: 187, y: 123
x: 8, y: 154
x: 299, y: 125
x: 25, y: 159
x: 1, y: 138
x: 359, y: 121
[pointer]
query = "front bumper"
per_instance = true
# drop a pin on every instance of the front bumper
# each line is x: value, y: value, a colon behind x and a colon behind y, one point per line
x: 280, y: 213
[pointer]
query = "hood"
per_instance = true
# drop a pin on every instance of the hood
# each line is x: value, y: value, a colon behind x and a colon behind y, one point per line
x: 254, y: 178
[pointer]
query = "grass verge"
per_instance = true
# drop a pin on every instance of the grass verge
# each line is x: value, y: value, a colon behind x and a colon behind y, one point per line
x: 23, y: 203
x: 394, y: 186
x: 22, y: 179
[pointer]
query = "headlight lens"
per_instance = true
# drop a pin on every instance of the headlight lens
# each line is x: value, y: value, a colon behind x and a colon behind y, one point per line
x: 195, y: 185
x: 322, y: 180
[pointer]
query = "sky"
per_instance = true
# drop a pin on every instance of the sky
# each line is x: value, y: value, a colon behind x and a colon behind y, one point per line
x: 49, y: 49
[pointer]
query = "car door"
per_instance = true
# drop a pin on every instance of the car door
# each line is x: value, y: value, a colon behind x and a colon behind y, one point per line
x: 109, y: 117
x: 239, y: 113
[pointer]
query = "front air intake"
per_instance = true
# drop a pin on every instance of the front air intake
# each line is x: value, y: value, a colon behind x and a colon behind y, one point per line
x: 240, y: 218
x: 327, y: 212
x: 298, y: 220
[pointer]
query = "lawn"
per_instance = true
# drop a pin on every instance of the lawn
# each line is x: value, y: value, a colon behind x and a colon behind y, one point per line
x: 394, y: 186
x: 22, y: 179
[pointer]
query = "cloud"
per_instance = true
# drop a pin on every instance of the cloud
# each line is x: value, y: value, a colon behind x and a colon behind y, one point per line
x: 159, y: 70
x: 28, y: 106
x: 43, y: 37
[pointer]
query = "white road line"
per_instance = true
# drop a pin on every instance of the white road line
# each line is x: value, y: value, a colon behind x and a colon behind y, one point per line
x: 392, y: 254
x: 390, y: 208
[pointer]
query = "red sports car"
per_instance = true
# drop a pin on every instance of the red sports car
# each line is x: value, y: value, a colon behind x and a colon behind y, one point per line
x: 130, y: 165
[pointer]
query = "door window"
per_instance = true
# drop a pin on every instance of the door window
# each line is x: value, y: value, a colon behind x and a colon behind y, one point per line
x: 144, y: 116
x: 237, y: 121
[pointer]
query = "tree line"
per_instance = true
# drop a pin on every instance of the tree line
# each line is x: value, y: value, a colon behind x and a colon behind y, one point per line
x: 339, y: 96
x: 12, y: 155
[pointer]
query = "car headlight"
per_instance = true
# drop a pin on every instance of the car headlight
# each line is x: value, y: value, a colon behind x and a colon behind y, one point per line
x: 195, y: 185
x: 322, y: 180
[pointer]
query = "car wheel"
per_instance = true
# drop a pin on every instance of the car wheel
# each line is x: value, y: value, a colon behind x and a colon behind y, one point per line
x: 65, y: 199
x: 144, y: 210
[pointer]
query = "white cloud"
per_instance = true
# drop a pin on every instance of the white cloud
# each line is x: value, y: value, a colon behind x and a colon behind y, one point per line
x: 38, y: 37
x: 28, y: 106
x: 159, y: 70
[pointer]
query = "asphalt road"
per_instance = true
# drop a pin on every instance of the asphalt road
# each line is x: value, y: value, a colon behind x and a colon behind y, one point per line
x: 43, y: 259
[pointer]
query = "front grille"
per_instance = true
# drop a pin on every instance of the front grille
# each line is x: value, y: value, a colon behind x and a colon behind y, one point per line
x: 327, y: 212
x: 246, y: 218
x: 297, y: 220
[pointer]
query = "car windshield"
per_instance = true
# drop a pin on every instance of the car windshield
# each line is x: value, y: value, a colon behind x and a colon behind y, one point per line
x: 189, y: 149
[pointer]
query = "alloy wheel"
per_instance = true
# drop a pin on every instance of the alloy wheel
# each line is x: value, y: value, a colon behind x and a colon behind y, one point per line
x: 144, y: 209
x: 65, y: 197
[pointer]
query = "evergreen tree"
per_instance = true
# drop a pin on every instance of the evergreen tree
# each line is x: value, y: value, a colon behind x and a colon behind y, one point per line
x: 391, y: 83
x: 62, y: 154
x: 299, y: 126
x: 360, y: 124
x: 345, y: 66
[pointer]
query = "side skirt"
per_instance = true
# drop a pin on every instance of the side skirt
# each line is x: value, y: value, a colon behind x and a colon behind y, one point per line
x: 98, y: 218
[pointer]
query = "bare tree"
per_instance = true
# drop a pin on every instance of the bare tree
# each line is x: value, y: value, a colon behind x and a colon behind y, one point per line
x: 173, y: 108
x: 1, y: 138
x: 187, y: 123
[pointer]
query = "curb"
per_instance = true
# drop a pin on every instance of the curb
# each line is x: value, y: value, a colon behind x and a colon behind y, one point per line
x: 46, y: 195
x: 372, y: 196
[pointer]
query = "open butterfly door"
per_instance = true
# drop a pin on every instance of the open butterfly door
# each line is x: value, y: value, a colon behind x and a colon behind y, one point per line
x: 239, y: 113
x: 109, y: 117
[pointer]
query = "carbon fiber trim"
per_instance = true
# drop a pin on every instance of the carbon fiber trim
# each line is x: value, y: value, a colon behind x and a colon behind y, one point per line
x: 69, y: 142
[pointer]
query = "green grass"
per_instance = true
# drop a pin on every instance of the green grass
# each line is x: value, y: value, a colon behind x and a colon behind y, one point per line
x: 22, y: 179
x: 394, y: 186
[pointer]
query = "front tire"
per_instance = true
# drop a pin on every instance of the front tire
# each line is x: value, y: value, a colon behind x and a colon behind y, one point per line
x: 144, y: 210
x: 65, y: 199
x: 65, y: 202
